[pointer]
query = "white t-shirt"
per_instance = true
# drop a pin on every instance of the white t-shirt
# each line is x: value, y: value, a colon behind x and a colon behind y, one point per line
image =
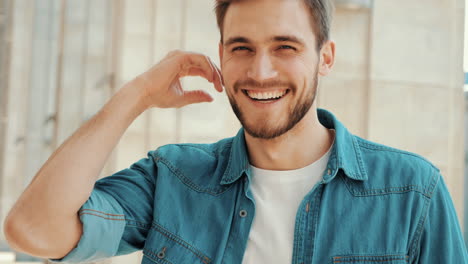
x: 278, y: 195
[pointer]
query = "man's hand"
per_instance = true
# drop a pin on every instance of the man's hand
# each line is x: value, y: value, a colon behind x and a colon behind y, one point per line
x: 161, y: 83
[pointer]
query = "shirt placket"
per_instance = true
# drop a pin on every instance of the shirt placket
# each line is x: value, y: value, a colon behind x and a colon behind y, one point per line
x: 306, y: 226
x: 242, y: 223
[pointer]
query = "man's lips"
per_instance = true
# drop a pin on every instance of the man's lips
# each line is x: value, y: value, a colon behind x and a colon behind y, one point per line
x: 265, y: 94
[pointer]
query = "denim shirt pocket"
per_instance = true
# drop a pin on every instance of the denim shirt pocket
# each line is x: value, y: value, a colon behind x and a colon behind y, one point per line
x: 371, y: 259
x: 163, y: 247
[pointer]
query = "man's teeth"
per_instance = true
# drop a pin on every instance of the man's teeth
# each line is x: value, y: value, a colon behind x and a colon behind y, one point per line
x: 265, y: 95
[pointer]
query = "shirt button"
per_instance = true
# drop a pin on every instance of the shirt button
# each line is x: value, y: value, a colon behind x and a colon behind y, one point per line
x: 243, y: 213
x: 329, y: 171
x: 162, y: 254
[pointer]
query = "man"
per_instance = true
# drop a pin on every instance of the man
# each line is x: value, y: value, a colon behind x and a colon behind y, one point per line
x: 294, y: 186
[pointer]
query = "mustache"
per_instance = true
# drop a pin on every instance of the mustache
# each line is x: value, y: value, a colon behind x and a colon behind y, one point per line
x: 238, y: 85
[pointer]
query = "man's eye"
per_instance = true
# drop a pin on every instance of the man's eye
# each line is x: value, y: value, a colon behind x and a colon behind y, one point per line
x: 286, y: 47
x: 240, y: 48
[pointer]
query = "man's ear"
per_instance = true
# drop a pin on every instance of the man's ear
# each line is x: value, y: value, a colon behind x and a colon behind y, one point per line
x: 327, y: 58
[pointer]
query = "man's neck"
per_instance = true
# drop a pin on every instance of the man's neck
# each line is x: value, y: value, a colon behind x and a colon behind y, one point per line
x: 302, y: 145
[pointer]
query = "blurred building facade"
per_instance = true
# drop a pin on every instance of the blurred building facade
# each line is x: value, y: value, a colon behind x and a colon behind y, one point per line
x: 398, y: 79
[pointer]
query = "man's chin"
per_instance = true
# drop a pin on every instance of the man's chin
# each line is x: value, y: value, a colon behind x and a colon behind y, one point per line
x: 260, y: 125
x: 264, y: 132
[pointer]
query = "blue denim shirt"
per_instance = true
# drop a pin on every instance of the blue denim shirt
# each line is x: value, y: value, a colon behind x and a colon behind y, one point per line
x: 191, y: 203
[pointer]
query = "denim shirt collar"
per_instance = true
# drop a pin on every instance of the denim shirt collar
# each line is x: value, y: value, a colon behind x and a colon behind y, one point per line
x: 345, y: 153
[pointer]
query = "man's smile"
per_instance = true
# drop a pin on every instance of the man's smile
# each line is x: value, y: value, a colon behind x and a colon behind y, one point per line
x: 265, y: 95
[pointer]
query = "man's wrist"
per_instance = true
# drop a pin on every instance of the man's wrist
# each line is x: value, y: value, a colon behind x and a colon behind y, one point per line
x: 133, y: 94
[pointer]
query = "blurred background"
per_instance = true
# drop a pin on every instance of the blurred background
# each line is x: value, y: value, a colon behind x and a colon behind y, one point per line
x: 398, y: 80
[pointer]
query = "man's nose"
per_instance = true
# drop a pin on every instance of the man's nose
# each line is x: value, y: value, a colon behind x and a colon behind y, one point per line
x: 262, y: 68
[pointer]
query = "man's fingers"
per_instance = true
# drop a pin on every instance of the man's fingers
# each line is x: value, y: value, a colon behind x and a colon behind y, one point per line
x: 218, y: 82
x: 197, y: 72
x: 204, y: 63
x: 198, y: 96
x: 194, y: 60
x: 211, y: 67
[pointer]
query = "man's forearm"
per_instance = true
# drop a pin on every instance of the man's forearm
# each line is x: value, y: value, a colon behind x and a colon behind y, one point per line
x: 49, y: 205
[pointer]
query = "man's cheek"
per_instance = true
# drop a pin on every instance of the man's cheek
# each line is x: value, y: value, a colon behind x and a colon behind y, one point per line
x: 226, y: 59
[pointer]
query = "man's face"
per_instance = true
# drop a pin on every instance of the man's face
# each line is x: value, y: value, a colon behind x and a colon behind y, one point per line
x: 269, y: 64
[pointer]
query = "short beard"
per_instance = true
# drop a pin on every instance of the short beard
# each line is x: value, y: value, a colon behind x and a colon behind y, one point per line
x: 262, y: 130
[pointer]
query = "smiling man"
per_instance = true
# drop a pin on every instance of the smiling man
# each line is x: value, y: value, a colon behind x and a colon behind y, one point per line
x: 293, y: 186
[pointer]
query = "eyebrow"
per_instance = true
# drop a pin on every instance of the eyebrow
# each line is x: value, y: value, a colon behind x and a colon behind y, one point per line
x: 282, y: 38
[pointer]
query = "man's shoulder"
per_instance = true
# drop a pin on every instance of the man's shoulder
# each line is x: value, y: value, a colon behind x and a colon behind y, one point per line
x: 380, y: 151
x: 198, y: 151
x: 200, y: 165
x: 396, y: 169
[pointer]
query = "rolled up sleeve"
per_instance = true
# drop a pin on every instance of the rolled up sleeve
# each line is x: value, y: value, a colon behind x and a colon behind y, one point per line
x: 117, y: 215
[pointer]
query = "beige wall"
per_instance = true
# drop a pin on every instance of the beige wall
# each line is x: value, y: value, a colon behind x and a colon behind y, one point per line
x: 397, y: 79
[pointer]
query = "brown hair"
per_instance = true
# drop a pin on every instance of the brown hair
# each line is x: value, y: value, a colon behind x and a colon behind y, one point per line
x: 321, y: 13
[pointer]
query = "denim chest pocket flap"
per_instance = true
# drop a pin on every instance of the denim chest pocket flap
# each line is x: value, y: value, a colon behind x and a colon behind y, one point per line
x: 163, y: 247
x: 202, y: 179
x: 371, y: 259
